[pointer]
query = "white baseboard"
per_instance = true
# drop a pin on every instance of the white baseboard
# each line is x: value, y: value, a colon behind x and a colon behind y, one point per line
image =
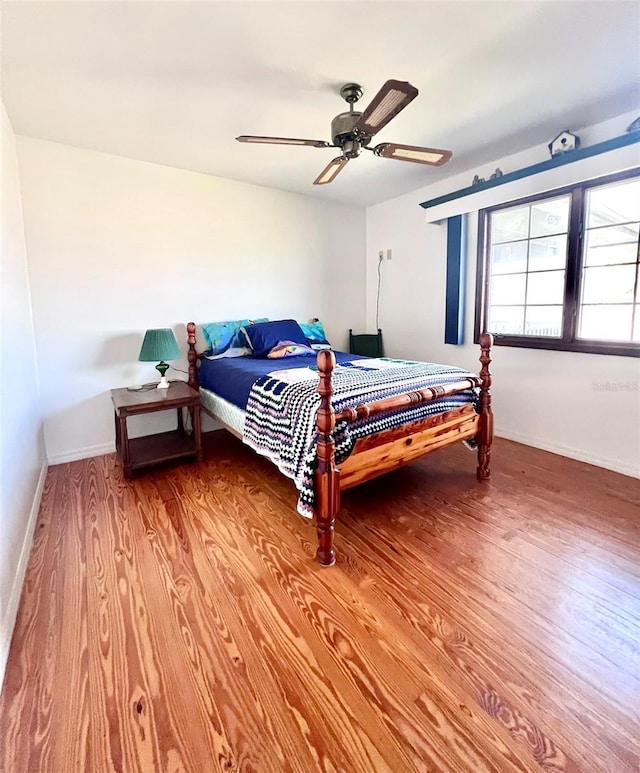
x: 11, y: 612
x: 572, y: 453
x: 82, y: 453
x: 518, y: 437
x: 101, y: 448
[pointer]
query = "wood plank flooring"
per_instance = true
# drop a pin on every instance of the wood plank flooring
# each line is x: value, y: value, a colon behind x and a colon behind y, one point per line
x: 178, y: 622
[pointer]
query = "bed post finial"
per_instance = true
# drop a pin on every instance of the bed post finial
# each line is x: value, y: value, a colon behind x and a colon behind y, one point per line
x: 485, y: 431
x: 327, y: 476
x: 192, y: 355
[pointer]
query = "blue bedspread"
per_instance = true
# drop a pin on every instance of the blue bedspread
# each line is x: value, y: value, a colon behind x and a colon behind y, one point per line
x: 232, y: 377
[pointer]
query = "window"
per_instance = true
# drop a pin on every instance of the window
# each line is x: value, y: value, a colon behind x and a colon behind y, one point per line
x: 561, y: 271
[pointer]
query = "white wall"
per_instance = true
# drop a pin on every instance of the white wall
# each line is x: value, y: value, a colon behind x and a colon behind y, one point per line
x: 21, y: 443
x: 542, y: 398
x: 118, y: 246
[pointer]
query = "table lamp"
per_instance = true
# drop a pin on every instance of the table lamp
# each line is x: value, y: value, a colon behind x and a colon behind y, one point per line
x: 160, y: 345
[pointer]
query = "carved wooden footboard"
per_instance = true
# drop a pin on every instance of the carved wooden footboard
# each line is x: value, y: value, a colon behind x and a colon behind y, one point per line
x: 381, y: 452
x: 384, y: 451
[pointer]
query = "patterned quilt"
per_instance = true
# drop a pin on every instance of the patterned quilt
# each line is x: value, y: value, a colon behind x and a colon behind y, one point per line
x: 280, y: 419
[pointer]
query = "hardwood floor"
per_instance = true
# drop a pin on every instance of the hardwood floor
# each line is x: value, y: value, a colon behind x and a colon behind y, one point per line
x: 178, y: 622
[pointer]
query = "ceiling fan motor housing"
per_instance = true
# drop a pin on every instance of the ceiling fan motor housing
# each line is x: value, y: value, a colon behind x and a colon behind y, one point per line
x: 344, y: 136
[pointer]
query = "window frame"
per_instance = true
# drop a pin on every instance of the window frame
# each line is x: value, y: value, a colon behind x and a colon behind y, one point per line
x: 571, y: 301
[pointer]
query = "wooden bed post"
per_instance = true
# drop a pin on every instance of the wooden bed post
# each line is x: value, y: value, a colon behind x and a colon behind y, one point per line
x: 192, y: 355
x: 327, y: 476
x: 485, y: 431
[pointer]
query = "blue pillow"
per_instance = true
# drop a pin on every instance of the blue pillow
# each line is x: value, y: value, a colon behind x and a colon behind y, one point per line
x: 264, y: 336
x: 314, y: 331
x: 239, y: 339
x: 221, y: 336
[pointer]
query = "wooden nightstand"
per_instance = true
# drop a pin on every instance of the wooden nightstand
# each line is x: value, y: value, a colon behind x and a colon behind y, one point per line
x: 139, y: 452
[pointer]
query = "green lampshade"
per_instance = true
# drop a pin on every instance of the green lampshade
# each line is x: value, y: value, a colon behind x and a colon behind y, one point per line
x: 159, y: 345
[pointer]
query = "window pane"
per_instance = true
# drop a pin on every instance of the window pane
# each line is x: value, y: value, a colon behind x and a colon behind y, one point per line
x: 616, y: 203
x: 545, y: 287
x: 550, y: 216
x: 613, y: 234
x: 615, y: 253
x: 508, y: 289
x: 543, y: 321
x: 636, y: 327
x: 605, y: 323
x: 550, y: 252
x: 509, y: 225
x: 509, y: 258
x: 506, y: 319
x: 608, y: 284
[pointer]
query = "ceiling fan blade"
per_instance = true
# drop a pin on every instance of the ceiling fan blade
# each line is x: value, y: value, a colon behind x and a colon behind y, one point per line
x: 331, y: 171
x: 283, y: 141
x: 393, y: 97
x: 413, y: 153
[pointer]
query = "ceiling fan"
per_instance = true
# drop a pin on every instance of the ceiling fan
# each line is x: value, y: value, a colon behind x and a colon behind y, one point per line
x: 352, y: 131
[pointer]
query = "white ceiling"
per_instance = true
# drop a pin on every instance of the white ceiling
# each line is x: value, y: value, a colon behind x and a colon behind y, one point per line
x: 175, y: 82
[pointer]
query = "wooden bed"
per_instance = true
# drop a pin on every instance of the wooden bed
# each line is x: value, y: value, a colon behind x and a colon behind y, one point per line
x: 381, y: 452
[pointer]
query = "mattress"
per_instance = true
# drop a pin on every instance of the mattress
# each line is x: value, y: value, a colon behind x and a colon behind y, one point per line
x: 223, y: 410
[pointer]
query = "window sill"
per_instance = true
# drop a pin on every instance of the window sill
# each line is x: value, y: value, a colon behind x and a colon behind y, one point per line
x: 553, y: 344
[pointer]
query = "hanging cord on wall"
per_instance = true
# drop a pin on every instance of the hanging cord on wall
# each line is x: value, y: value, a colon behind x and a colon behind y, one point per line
x: 378, y: 294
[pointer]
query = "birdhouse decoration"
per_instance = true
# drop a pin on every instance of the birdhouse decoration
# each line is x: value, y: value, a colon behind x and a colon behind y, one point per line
x: 564, y: 143
x: 634, y: 126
